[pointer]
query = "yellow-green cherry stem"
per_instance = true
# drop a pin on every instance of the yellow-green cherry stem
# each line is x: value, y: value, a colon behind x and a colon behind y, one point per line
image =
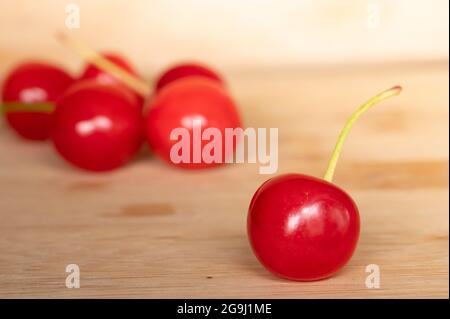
x: 17, y: 107
x: 90, y: 56
x: 343, y: 135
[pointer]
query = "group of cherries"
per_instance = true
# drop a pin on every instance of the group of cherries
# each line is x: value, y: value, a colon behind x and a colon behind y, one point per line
x: 300, y: 227
x: 98, y: 123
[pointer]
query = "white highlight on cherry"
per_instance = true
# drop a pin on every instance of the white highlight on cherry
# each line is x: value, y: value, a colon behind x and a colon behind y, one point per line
x: 98, y: 123
x: 33, y: 95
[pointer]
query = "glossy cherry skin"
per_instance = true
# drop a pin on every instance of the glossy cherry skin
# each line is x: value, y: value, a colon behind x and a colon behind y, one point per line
x: 97, y: 127
x: 302, y: 228
x: 182, y: 102
x: 92, y: 72
x: 33, y: 82
x: 186, y: 70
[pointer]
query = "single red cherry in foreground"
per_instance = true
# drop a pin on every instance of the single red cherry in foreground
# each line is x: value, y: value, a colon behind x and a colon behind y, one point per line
x: 97, y: 127
x: 180, y: 115
x: 28, y: 96
x: 93, y: 72
x: 304, y: 228
x: 186, y: 70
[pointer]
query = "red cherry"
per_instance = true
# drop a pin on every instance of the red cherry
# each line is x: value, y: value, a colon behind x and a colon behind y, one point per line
x: 93, y: 72
x: 30, y: 91
x: 182, y: 102
x: 186, y: 70
x: 180, y: 105
x: 304, y: 228
x: 97, y: 127
x: 301, y: 227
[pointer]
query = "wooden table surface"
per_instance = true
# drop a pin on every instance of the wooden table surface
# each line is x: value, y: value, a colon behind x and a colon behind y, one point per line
x: 148, y: 230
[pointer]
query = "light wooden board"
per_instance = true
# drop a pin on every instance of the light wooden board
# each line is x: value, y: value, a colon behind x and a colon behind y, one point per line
x: 148, y: 230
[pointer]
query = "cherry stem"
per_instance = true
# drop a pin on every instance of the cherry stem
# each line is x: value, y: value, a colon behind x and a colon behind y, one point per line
x: 343, y: 135
x: 19, y: 107
x: 90, y: 56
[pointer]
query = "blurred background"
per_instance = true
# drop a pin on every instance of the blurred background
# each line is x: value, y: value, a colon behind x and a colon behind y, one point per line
x: 232, y: 34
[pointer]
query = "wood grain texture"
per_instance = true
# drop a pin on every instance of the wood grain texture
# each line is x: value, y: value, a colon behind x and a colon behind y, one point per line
x: 151, y: 231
